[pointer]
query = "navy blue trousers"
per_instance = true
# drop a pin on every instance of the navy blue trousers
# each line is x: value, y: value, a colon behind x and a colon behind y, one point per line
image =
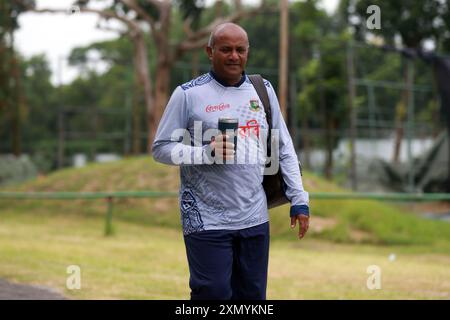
x: 228, y: 264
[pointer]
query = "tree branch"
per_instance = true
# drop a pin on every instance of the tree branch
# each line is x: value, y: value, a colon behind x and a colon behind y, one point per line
x: 187, y: 27
x: 132, y: 4
x: 106, y: 14
x: 198, y: 39
x: 156, y: 3
x: 118, y: 31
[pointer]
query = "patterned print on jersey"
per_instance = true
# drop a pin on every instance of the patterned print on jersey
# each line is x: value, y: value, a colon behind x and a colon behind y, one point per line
x: 203, y: 79
x: 191, y: 218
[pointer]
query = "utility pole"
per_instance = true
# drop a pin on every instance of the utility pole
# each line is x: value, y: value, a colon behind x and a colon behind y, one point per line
x: 353, y: 116
x: 283, y: 59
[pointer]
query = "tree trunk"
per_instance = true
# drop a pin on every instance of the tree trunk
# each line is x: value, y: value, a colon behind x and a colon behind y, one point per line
x: 305, y: 134
x: 195, y: 64
x: 162, y: 84
x: 284, y: 57
x: 144, y: 87
x: 328, y: 169
x: 329, y: 136
x: 138, y: 95
x: 163, y: 67
x: 399, y: 133
x: 136, y: 117
x: 400, y: 114
x: 16, y: 102
x: 306, y: 141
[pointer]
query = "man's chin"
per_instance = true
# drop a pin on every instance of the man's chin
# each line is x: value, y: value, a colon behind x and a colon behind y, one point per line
x: 233, y: 73
x: 234, y: 69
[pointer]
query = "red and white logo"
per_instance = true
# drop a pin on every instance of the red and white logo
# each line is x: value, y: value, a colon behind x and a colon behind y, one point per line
x: 252, y: 127
x: 219, y: 107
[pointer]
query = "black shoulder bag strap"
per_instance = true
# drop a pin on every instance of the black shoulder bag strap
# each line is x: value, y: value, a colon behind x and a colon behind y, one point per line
x: 274, y: 185
x: 261, y: 90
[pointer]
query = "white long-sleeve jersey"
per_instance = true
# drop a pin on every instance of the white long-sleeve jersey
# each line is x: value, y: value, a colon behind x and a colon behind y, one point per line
x: 224, y: 196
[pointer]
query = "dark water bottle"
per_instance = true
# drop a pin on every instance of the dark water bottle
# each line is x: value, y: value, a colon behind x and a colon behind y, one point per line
x: 229, y: 127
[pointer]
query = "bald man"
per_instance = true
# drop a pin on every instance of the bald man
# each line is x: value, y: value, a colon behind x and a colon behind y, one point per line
x: 223, y: 205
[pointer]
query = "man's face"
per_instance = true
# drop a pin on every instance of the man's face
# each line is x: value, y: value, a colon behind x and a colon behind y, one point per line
x: 229, y: 54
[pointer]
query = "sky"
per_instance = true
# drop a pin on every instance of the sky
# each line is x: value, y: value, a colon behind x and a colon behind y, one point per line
x: 55, y: 35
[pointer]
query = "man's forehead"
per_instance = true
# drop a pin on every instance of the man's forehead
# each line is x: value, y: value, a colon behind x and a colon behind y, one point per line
x: 230, y: 38
x: 231, y: 34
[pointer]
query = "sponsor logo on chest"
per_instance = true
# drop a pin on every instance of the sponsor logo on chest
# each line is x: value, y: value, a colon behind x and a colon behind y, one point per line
x: 218, y: 107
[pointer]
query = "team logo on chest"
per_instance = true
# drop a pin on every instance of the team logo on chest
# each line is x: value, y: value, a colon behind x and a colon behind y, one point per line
x: 254, y: 105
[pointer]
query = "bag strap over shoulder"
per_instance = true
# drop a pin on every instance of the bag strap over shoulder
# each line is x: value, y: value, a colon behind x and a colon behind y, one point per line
x: 260, y: 87
x: 261, y: 90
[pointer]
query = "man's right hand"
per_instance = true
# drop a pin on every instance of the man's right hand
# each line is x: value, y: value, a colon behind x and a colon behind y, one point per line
x: 222, y: 147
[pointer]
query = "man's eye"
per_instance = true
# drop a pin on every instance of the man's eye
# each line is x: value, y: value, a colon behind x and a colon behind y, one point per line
x: 226, y: 50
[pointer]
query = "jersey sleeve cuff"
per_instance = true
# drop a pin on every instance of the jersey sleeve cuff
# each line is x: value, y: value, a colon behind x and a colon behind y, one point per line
x: 299, y: 209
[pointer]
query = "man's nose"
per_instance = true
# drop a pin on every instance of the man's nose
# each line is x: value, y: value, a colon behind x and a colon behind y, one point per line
x: 234, y: 55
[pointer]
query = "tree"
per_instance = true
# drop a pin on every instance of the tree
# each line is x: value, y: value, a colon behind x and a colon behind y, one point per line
x: 321, y: 98
x: 140, y: 16
x: 12, y: 103
x: 414, y: 22
x: 119, y: 85
x: 309, y: 24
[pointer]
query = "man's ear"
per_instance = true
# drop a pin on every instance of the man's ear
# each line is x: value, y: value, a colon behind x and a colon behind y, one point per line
x: 209, y: 52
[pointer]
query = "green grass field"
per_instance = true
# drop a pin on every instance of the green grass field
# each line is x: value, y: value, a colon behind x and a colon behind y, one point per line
x: 145, y: 259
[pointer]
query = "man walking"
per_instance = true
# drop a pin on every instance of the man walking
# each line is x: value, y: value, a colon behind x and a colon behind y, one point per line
x: 223, y: 206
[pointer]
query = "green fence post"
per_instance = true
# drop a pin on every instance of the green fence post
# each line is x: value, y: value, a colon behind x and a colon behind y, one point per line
x: 108, y: 222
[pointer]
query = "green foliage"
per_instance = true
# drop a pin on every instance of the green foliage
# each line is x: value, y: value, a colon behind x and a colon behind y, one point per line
x: 14, y: 170
x: 9, y: 14
x: 263, y: 50
x: 147, y: 6
x: 41, y: 119
x: 414, y: 21
x: 317, y: 64
x: 324, y: 81
x: 38, y: 120
x: 192, y: 10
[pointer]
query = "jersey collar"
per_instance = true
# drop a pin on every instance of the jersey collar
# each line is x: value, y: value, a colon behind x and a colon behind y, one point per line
x: 215, y: 77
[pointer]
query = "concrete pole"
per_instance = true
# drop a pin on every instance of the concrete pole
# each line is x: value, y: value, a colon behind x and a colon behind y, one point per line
x: 284, y: 56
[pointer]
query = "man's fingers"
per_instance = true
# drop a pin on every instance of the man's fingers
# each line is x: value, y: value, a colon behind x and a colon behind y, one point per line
x: 221, y: 158
x: 224, y: 145
x: 223, y: 149
x: 226, y: 150
x: 222, y: 137
x: 228, y: 146
x: 301, y: 229
x: 293, y: 222
x: 304, y: 225
x: 224, y: 154
x: 227, y: 153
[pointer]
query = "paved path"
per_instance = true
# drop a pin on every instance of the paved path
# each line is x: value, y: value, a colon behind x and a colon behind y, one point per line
x: 13, y: 291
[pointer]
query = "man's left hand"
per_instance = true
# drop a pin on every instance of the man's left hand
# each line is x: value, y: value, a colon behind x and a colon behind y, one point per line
x: 303, y: 223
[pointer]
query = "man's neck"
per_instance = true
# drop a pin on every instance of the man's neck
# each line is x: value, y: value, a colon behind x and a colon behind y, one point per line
x: 227, y: 83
